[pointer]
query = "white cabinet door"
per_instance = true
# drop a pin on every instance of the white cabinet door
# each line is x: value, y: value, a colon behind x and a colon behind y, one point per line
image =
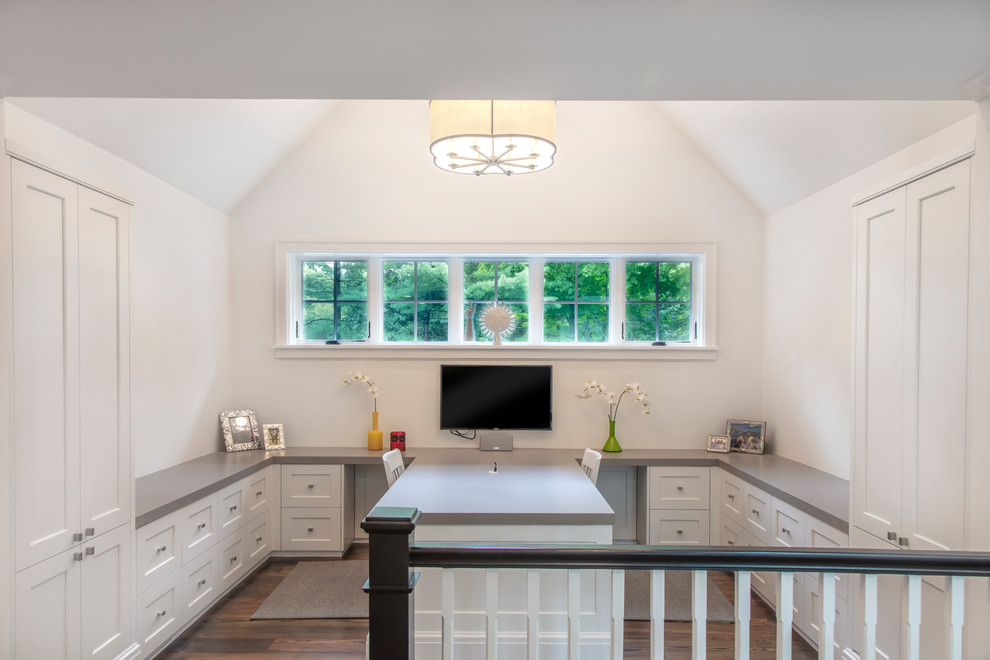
x: 889, y: 592
x: 45, y: 364
x: 106, y: 591
x: 104, y: 436
x: 879, y: 418
x: 47, y: 611
x: 936, y: 360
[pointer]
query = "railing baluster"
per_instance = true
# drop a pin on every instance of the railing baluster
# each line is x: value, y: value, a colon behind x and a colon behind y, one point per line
x: 826, y: 632
x: 743, y: 602
x: 491, y: 614
x: 574, y: 614
x: 657, y: 596
x: 618, y: 611
x: 699, y: 606
x: 870, y: 617
x: 533, y: 614
x: 447, y: 612
x: 914, y: 618
x: 785, y: 615
x: 956, y: 616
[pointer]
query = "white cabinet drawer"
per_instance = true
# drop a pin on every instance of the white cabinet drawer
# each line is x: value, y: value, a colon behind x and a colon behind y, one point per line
x: 678, y: 527
x: 312, y: 485
x: 733, y: 494
x: 813, y: 609
x: 199, y: 584
x: 231, y: 561
x: 311, y: 529
x: 257, y: 539
x: 256, y: 494
x: 764, y: 582
x: 231, y: 510
x: 198, y: 527
x: 679, y: 487
x: 788, y: 525
x: 757, y: 512
x: 159, y: 614
x: 820, y: 535
x: 157, y: 551
x: 731, y: 533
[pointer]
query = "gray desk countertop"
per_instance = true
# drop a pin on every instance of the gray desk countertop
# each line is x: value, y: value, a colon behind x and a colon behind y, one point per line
x: 817, y: 493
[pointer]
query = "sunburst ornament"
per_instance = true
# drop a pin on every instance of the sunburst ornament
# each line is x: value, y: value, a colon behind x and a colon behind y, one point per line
x: 497, y: 319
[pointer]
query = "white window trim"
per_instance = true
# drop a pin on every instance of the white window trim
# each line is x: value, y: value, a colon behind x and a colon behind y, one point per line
x: 287, y: 296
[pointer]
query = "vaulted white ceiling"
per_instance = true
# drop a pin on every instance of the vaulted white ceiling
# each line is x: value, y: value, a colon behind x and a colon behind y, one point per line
x: 170, y: 65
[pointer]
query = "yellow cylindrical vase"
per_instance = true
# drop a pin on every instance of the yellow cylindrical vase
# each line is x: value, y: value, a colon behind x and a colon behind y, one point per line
x: 374, y: 435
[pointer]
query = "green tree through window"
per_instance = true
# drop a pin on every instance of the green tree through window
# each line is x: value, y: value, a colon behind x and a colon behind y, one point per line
x: 414, y: 295
x: 334, y: 300
x: 658, y: 301
x: 496, y: 281
x: 575, y: 301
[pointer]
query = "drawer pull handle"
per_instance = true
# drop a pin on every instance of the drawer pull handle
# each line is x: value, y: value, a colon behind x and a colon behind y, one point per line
x: 680, y: 531
x: 680, y: 488
x: 259, y: 538
x: 90, y: 551
x: 259, y: 493
x: 732, y: 497
x: 77, y: 556
x: 233, y: 559
x: 233, y: 508
x: 891, y: 536
x: 161, y: 549
x: 310, y: 486
x: 309, y: 529
x: 902, y: 541
x: 756, y: 512
x: 201, y: 526
x: 732, y: 542
x: 201, y: 582
x: 90, y: 531
x: 163, y: 613
x: 77, y: 537
x: 785, y: 531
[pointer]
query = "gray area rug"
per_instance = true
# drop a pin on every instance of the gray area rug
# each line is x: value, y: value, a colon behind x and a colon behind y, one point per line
x: 677, y: 598
x: 319, y: 590
x: 332, y: 590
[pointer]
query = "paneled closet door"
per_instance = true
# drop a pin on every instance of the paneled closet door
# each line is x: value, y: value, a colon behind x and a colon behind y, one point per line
x: 47, y: 612
x: 46, y: 376
x: 105, y: 594
x: 879, y: 423
x: 103, y: 362
x: 936, y: 360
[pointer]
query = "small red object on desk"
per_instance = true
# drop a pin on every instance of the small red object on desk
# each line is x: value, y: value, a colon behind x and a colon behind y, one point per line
x: 398, y: 440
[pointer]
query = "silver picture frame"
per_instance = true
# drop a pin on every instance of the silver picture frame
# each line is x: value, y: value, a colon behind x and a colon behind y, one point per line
x: 718, y: 443
x: 240, y: 430
x: 274, y: 436
x: 746, y: 436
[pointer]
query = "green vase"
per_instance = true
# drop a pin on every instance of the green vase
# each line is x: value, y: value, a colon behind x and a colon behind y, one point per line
x: 611, y: 444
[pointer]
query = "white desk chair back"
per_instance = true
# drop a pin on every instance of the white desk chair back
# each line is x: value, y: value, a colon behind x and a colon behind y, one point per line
x: 393, y: 465
x: 591, y: 462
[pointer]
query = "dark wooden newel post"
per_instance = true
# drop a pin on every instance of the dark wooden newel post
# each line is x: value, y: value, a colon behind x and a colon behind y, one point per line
x: 390, y: 584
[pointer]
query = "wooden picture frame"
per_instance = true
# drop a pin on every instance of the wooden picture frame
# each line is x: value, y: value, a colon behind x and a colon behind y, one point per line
x: 240, y: 430
x: 746, y: 436
x: 274, y: 436
x: 718, y: 443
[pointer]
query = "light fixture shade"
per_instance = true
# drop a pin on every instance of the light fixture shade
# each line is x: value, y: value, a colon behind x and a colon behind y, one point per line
x: 493, y: 137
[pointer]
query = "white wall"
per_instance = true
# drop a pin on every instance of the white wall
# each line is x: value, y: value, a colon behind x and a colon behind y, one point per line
x: 180, y: 293
x: 808, y: 306
x: 623, y: 174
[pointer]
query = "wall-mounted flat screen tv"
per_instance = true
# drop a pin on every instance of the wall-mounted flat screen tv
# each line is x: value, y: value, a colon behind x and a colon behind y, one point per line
x: 496, y: 396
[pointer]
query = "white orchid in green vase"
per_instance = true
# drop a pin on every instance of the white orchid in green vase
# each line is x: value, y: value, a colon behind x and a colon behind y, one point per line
x: 593, y: 387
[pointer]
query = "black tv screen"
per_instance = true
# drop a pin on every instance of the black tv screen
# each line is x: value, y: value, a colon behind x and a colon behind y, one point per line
x: 496, y: 396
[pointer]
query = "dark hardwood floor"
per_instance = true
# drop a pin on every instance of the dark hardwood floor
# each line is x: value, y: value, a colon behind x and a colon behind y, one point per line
x: 227, y: 632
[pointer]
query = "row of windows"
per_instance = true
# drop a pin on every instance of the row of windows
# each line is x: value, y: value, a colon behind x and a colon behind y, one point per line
x: 555, y: 301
